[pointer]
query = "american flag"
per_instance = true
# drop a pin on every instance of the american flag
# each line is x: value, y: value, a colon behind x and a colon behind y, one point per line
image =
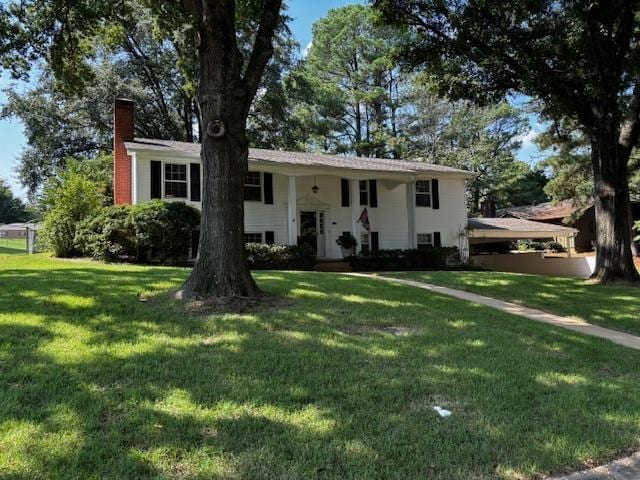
x: 364, y: 219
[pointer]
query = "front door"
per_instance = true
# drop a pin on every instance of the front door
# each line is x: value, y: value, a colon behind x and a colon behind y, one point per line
x: 312, y: 230
x: 308, y: 229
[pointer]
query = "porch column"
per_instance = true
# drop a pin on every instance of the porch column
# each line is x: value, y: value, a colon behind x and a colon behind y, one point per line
x: 411, y: 215
x: 355, y: 210
x: 570, y: 243
x: 292, y: 213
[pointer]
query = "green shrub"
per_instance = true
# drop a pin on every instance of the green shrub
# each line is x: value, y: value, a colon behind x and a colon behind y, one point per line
x: 155, y: 230
x: 107, y: 236
x: 280, y: 257
x: 527, y: 245
x: 68, y: 199
x: 555, y: 247
x: 417, y: 259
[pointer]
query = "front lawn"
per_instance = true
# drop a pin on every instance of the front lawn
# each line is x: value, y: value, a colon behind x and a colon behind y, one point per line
x: 616, y: 307
x: 13, y: 246
x: 103, y: 376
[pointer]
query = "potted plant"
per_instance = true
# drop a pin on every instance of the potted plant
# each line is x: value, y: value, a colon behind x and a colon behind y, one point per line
x: 348, y: 244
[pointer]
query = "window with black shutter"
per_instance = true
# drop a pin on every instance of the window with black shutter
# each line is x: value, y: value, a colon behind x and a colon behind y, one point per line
x: 375, y: 246
x: 364, y: 192
x: 435, y: 193
x: 373, y: 193
x: 344, y: 186
x: 269, y: 238
x: 268, y: 188
x: 156, y: 179
x: 194, y: 177
x: 175, y: 180
x: 423, y: 193
x: 253, y: 187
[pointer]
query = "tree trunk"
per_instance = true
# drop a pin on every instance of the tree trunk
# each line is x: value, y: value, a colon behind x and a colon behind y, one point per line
x: 614, y: 262
x: 221, y: 269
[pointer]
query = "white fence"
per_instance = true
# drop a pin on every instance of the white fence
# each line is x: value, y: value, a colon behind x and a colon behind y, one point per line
x: 537, y: 263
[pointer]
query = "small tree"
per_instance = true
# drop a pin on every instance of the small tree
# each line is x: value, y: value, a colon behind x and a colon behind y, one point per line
x: 68, y: 199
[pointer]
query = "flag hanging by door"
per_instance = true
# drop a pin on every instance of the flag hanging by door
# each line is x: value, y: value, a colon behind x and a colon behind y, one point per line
x: 364, y: 219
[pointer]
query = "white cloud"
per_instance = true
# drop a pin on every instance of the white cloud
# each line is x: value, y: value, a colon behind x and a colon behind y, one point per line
x: 305, y: 50
x: 528, y: 138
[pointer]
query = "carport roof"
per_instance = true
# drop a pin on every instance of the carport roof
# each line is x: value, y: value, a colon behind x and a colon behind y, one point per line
x: 510, y: 228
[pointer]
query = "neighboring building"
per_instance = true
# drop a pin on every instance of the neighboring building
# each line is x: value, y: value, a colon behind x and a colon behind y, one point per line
x: 409, y: 204
x: 566, y: 213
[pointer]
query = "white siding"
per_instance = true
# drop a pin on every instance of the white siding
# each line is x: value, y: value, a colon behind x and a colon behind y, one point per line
x: 389, y: 218
x: 450, y: 219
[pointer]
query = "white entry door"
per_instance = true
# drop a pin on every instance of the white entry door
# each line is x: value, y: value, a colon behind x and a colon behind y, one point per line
x: 312, y: 230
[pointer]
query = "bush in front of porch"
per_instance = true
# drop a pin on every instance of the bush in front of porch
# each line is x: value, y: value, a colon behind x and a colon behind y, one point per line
x: 413, y: 259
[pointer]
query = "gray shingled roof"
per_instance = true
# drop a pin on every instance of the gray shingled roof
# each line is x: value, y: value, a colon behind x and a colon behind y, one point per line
x: 304, y: 159
x: 515, y: 225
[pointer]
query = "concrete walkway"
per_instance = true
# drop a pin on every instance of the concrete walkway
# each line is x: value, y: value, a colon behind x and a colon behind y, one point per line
x: 624, y: 339
x: 624, y: 469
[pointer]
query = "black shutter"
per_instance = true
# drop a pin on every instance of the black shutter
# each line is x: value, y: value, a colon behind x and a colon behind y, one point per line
x: 156, y: 179
x: 437, y: 241
x: 435, y: 193
x: 373, y: 193
x: 269, y: 238
x: 194, y: 180
x: 374, y: 242
x: 345, y: 192
x: 268, y: 188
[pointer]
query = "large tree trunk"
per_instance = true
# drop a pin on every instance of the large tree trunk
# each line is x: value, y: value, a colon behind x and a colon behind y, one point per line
x: 221, y: 269
x: 614, y: 262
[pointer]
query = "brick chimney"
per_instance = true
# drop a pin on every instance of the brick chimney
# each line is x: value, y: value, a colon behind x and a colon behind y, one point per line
x: 122, y: 132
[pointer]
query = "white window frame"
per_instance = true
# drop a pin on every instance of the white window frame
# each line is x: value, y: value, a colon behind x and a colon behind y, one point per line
x: 254, y: 233
x: 419, y: 243
x: 261, y: 185
x: 186, y: 181
x: 365, y: 239
x: 361, y: 191
x: 428, y: 193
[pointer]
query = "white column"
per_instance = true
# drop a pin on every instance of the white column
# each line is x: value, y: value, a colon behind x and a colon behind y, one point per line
x: 134, y: 179
x: 355, y: 210
x: 411, y: 215
x: 570, y: 244
x: 292, y: 212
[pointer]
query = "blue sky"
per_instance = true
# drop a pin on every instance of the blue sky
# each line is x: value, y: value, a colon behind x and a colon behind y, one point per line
x: 303, y: 12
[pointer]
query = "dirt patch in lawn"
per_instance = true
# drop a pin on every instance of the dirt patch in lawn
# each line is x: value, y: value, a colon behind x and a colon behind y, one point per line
x: 238, y: 305
x: 397, y: 330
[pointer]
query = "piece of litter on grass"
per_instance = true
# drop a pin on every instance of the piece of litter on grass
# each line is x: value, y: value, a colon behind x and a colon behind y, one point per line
x: 442, y: 412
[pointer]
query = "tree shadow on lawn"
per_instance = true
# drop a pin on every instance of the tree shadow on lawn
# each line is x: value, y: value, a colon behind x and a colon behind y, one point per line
x: 154, y: 392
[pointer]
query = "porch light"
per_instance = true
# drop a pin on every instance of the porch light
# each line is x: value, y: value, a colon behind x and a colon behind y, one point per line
x: 315, y: 187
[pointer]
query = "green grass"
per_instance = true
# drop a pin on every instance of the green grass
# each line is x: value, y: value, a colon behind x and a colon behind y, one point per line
x: 95, y: 383
x: 616, y: 307
x: 13, y: 246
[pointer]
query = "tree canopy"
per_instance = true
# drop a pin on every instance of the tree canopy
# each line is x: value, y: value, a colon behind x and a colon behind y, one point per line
x: 12, y: 209
x: 579, y: 59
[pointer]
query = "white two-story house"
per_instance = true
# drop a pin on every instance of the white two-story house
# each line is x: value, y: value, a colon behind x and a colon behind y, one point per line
x: 409, y: 204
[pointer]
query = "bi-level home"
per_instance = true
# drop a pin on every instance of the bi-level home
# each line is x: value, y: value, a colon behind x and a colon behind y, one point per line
x: 408, y: 204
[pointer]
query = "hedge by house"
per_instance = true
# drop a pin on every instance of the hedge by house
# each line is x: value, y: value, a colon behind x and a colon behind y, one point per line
x: 415, y: 259
x: 280, y: 257
x: 155, y: 230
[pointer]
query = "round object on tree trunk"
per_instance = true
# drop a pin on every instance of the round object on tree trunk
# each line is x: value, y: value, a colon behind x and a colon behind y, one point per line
x: 216, y: 129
